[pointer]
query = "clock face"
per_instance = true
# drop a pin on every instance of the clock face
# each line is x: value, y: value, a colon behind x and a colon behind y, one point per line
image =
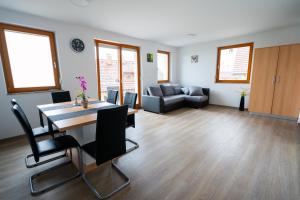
x: 77, y: 45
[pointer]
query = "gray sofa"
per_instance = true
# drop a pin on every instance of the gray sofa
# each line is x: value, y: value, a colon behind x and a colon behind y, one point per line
x: 164, y: 98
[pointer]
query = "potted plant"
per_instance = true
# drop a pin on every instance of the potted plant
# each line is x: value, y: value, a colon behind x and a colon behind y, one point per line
x: 244, y: 93
x: 82, y: 94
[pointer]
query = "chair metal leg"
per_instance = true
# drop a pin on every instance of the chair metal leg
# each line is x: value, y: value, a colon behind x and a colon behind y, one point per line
x: 51, y: 187
x: 136, y: 145
x: 131, y: 123
x: 102, y: 196
x: 42, y: 162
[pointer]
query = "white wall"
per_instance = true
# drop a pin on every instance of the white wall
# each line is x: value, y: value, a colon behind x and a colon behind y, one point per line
x: 203, y: 72
x: 70, y: 64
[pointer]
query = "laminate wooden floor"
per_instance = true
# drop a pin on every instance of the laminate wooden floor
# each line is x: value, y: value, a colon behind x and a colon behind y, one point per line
x: 191, y: 154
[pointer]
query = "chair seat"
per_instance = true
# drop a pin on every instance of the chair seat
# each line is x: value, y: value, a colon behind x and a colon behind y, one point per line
x: 57, y: 144
x: 90, y: 148
x: 41, y: 131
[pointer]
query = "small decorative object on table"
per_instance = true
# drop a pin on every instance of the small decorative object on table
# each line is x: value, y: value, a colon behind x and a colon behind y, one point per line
x: 76, y: 102
x: 244, y: 92
x: 82, y: 95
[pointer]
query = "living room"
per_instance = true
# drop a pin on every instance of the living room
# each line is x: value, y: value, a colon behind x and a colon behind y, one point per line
x: 216, y: 98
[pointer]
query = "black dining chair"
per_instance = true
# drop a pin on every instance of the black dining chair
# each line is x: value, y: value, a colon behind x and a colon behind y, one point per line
x: 38, y: 132
x: 110, y: 143
x: 58, y: 97
x: 112, y: 96
x: 45, y: 148
x: 130, y: 100
x: 61, y: 96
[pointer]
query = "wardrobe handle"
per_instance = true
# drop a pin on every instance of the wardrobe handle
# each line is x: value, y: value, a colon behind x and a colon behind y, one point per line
x: 274, y: 80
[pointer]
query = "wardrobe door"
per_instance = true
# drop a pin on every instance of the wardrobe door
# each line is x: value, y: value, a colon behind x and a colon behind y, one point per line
x: 287, y: 90
x: 263, y: 79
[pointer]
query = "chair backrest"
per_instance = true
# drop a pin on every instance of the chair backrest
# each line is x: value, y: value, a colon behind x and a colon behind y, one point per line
x: 112, y: 96
x: 110, y: 133
x: 130, y: 99
x: 61, y: 96
x: 20, y: 115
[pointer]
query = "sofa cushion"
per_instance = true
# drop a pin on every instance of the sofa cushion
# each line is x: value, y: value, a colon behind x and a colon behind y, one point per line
x: 185, y: 90
x: 196, y: 99
x: 170, y: 100
x: 155, y: 91
x: 196, y: 91
x: 177, y: 89
x: 167, y: 90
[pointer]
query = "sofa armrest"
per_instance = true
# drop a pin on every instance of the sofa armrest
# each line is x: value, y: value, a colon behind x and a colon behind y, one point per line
x: 206, y: 92
x: 152, y: 103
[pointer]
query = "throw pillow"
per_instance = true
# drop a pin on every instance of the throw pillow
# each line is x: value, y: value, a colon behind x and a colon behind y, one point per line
x: 155, y: 91
x: 167, y: 90
x: 177, y: 89
x: 185, y: 90
x: 196, y: 91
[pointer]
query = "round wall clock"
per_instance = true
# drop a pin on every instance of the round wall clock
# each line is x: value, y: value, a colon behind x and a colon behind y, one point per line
x: 77, y: 45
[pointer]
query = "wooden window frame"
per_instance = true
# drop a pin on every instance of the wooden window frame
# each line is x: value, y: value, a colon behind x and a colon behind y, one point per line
x: 120, y: 45
x: 249, y: 63
x: 6, y: 63
x: 168, y: 54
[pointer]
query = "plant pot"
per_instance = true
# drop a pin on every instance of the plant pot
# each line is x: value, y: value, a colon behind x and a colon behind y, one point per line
x: 84, y: 104
x: 242, y: 104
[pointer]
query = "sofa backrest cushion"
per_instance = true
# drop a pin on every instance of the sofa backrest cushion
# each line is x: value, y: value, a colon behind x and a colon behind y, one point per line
x: 196, y: 91
x: 167, y: 90
x: 177, y: 89
x: 155, y: 91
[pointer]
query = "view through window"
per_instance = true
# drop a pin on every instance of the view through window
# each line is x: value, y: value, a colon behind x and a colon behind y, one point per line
x: 109, y: 69
x: 116, y: 74
x: 163, y: 66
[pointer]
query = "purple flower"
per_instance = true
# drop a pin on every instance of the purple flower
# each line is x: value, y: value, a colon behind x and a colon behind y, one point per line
x: 83, y: 83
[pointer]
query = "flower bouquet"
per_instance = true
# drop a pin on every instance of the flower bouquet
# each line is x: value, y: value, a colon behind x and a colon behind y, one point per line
x: 82, y: 94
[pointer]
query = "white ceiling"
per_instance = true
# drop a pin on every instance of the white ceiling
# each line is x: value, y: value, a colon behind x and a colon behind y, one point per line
x: 169, y: 21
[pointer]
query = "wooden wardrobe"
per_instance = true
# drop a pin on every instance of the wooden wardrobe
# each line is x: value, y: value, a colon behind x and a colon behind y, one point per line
x: 275, y: 86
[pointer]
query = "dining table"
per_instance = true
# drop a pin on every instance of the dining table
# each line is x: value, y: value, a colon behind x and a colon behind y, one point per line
x: 76, y: 120
x: 68, y: 115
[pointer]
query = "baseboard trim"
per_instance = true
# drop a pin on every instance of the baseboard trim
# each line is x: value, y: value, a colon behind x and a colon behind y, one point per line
x: 224, y: 106
x: 11, y: 139
x: 274, y: 116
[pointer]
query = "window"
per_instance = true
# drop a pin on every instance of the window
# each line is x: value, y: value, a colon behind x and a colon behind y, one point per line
x: 163, y: 66
x: 28, y: 58
x: 234, y: 63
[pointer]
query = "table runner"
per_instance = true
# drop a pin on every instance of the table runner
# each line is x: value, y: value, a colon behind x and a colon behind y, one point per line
x: 65, y: 106
x: 58, y: 117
